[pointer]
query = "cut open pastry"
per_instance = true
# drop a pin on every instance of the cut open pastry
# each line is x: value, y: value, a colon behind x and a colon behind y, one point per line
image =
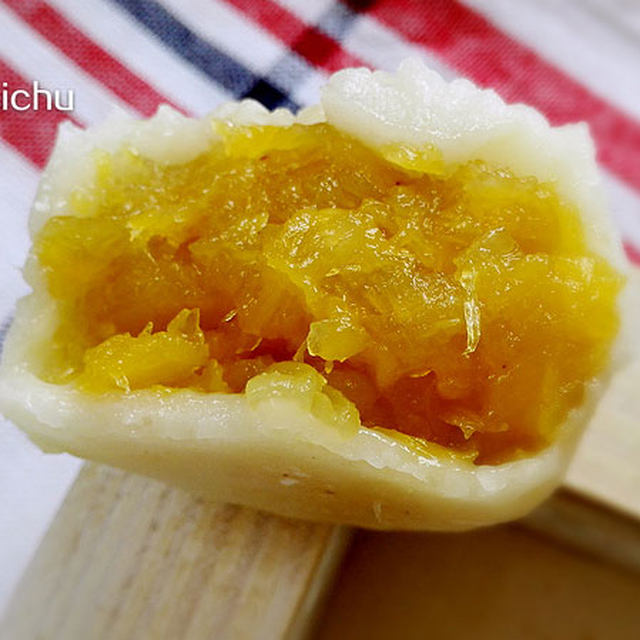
x: 395, y: 310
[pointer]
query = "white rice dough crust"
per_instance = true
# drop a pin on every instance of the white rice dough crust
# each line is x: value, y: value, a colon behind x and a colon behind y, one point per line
x: 275, y: 455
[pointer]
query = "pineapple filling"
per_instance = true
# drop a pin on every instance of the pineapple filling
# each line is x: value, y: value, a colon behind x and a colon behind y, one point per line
x: 459, y: 304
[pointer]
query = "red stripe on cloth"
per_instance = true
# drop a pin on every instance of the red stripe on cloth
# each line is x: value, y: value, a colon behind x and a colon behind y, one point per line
x: 310, y: 43
x: 470, y: 44
x: 31, y: 133
x: 633, y: 253
x: 78, y: 47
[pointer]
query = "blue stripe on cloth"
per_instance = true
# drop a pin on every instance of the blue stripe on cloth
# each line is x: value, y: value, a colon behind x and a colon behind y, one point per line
x: 291, y: 70
x: 4, y: 328
x: 215, y: 64
x: 337, y: 21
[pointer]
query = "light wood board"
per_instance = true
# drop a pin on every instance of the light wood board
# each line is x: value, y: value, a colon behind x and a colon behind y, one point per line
x: 129, y: 558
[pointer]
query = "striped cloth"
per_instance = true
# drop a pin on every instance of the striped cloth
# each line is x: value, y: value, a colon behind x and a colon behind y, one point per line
x: 573, y: 60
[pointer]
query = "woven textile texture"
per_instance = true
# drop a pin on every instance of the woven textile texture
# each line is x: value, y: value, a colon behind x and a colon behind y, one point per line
x: 573, y: 60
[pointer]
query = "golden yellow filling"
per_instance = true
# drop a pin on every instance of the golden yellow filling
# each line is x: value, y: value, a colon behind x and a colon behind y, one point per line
x: 459, y: 304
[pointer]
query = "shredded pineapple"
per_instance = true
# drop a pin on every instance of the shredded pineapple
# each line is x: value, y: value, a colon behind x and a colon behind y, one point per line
x: 455, y: 304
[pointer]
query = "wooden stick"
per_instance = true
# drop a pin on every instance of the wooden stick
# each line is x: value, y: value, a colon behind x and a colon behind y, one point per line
x: 127, y: 557
x: 584, y: 525
x: 606, y: 467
